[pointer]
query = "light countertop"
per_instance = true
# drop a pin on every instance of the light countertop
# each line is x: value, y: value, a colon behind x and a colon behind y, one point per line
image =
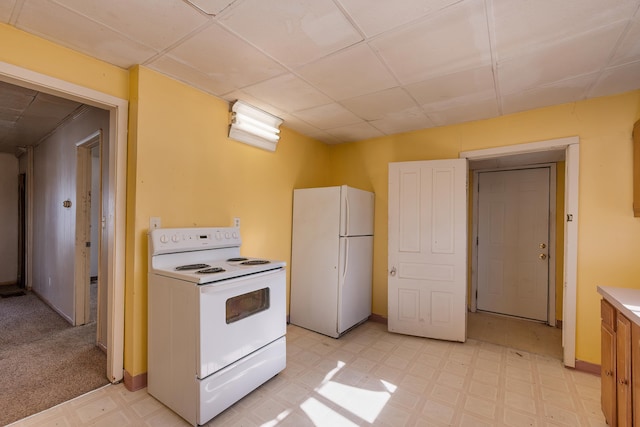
x: 627, y: 301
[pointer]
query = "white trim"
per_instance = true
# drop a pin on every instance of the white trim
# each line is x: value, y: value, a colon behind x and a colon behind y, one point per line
x: 83, y: 202
x: 118, y: 122
x: 572, y: 165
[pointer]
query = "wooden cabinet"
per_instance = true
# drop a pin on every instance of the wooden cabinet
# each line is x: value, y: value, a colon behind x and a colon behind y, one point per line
x: 620, y: 395
x: 608, y: 362
x: 636, y: 169
x: 635, y: 361
x: 623, y: 370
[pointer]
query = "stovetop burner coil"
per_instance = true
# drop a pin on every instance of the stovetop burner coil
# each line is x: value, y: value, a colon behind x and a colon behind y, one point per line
x: 192, y: 267
x: 255, y: 262
x: 211, y: 270
x: 237, y: 259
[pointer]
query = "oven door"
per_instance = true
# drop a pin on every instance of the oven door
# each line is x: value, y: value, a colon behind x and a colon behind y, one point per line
x: 239, y: 316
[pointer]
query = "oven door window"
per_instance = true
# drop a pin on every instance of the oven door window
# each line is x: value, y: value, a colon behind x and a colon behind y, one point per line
x: 245, y: 305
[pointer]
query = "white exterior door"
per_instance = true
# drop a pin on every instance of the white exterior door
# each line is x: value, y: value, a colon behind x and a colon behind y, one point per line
x: 513, y: 242
x: 428, y: 248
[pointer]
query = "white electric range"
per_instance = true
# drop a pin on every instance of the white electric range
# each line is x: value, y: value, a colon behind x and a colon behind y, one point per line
x: 216, y: 320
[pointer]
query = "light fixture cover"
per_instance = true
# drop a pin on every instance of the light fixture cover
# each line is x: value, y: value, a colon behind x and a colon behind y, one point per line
x: 254, y: 126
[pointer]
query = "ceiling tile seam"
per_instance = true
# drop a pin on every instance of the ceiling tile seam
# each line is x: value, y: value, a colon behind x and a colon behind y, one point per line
x: 185, y: 38
x: 15, y: 12
x: 207, y: 14
x: 589, y: 90
x: 491, y: 33
x: 99, y: 24
x: 351, y: 20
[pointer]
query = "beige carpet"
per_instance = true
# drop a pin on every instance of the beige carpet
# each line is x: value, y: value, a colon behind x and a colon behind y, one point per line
x: 43, y: 360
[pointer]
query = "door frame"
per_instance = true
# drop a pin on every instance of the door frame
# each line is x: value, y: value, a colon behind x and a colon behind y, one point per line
x: 116, y: 209
x: 84, y: 200
x: 571, y: 147
x: 551, y: 279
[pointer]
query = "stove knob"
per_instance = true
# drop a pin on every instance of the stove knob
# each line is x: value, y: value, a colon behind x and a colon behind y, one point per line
x: 227, y: 235
x: 175, y: 238
x: 218, y: 235
x: 235, y: 234
x: 164, y: 238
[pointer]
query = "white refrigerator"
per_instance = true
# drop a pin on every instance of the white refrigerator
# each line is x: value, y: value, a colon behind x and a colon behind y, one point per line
x: 331, y: 259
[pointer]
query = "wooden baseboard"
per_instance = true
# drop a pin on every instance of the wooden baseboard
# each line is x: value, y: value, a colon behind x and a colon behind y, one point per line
x: 588, y: 367
x: 136, y: 383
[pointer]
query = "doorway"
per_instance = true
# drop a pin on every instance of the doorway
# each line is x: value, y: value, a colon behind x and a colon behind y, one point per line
x: 89, y: 292
x: 555, y: 150
x: 514, y: 230
x: 114, y: 223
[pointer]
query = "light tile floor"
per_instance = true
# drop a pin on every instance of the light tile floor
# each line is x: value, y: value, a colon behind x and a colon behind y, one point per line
x: 519, y: 334
x: 370, y: 377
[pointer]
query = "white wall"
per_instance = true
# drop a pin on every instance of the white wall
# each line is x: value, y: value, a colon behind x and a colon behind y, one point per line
x: 54, y: 225
x: 8, y: 218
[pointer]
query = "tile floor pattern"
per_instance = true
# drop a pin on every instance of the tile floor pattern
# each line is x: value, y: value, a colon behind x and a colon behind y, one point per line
x: 520, y: 334
x: 370, y: 377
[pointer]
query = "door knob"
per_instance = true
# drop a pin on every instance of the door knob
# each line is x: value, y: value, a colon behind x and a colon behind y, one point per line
x: 542, y: 256
x: 393, y: 271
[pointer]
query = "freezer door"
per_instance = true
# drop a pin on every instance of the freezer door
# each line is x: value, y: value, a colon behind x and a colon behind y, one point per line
x: 356, y: 212
x: 355, y: 281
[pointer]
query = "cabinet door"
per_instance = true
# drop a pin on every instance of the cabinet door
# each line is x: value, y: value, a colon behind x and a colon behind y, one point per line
x: 608, y: 363
x: 635, y: 375
x: 623, y: 370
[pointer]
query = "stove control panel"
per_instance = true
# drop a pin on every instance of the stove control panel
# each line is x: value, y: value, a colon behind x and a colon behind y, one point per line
x: 168, y: 240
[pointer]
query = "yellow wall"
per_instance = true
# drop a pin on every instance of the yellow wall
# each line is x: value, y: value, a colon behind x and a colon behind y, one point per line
x: 609, y: 235
x: 184, y: 169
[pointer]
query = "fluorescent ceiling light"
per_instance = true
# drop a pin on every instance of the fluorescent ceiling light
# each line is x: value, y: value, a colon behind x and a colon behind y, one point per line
x: 254, y: 126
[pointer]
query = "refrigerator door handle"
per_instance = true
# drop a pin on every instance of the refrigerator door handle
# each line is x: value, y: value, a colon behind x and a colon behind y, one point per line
x: 346, y: 258
x: 347, y: 218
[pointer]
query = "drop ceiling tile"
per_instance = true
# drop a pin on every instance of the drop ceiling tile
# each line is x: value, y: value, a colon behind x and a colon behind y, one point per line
x: 228, y: 60
x: 174, y: 68
x: 294, y: 32
x: 377, y: 105
x: 249, y: 99
x: 523, y: 24
x: 293, y: 122
x: 79, y: 33
x: 6, y: 8
x: 451, y: 40
x: 165, y: 21
x: 477, y: 110
x: 328, y: 116
x: 629, y: 47
x: 445, y: 92
x: 408, y: 120
x: 569, y: 90
x: 348, y: 73
x: 583, y: 54
x: 375, y: 17
x: 288, y: 92
x: 355, y: 132
x: 617, y: 80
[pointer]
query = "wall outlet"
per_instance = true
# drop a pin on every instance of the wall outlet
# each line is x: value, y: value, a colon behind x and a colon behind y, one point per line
x: 154, y: 222
x: 236, y: 222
